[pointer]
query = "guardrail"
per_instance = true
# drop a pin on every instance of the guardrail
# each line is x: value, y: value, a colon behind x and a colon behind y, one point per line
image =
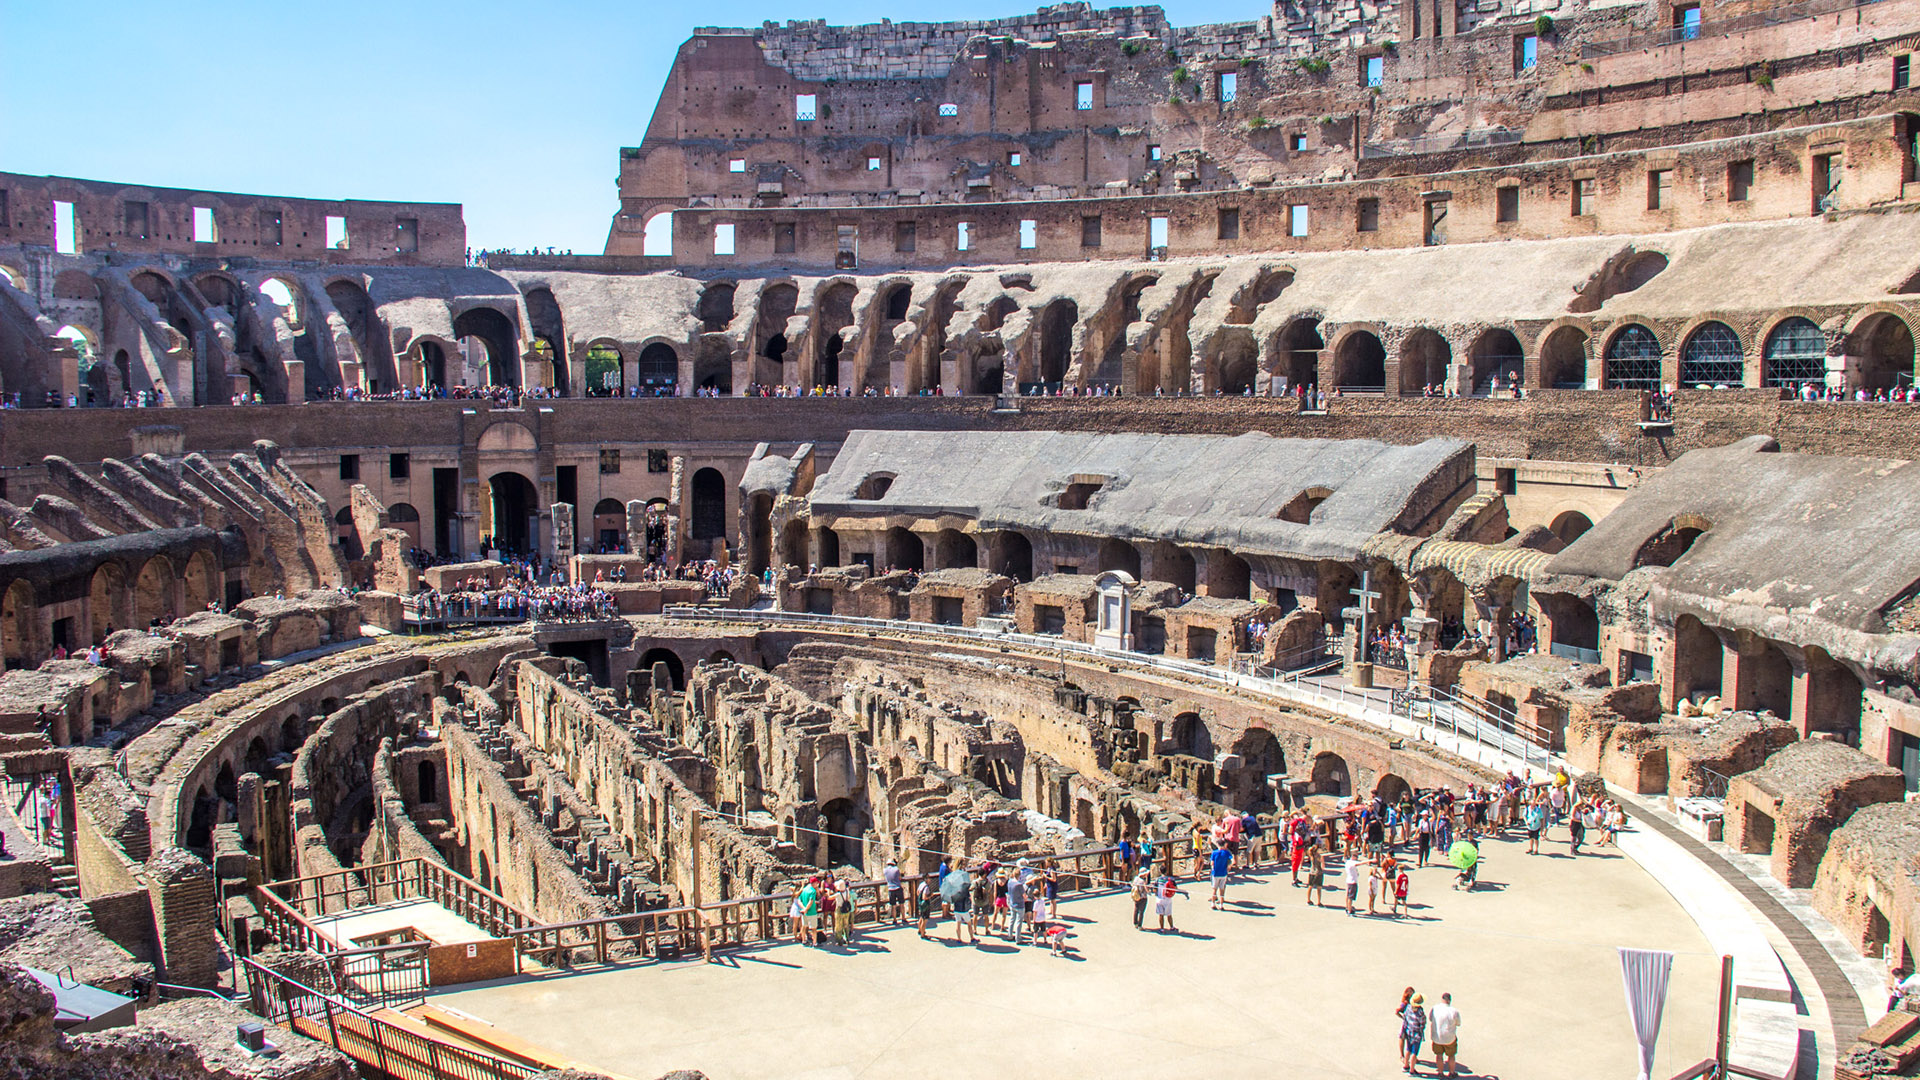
x: 364, y: 1037
x: 295, y: 901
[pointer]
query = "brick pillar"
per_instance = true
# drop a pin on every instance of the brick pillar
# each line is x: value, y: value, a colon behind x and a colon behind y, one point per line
x: 563, y: 541
x: 250, y: 809
x: 185, y: 916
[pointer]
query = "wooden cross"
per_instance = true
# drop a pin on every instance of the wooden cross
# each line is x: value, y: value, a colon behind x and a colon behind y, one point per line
x: 1366, y: 594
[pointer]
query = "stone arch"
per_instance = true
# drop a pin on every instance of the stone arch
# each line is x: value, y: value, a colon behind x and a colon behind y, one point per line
x: 833, y: 313
x: 108, y: 601
x: 1698, y: 659
x: 1117, y: 554
x: 19, y: 612
x: 895, y: 302
x: 349, y: 297
x: 75, y: 285
x: 1882, y: 347
x: 197, y: 582
x: 1564, y: 358
x: 1496, y: 352
x: 1057, y: 321
x: 1360, y: 362
x: 904, y: 550
x: 496, y: 332
x: 1633, y: 358
x: 512, y: 505
x: 657, y: 372
x: 293, y: 732
x: 1239, y: 364
x: 153, y: 592
x: 1793, y: 354
x: 1570, y: 525
x: 715, y: 309
x: 604, y: 369
x: 777, y: 305
x: 1330, y: 775
x: 707, y: 509
x: 676, y: 671
x: 1390, y: 789
x: 546, y: 324
x: 1298, y: 347
x: 1425, y: 358
x: 1011, y: 554
x: 1261, y: 752
x: 1188, y: 735
x: 1711, y: 355
x: 954, y: 549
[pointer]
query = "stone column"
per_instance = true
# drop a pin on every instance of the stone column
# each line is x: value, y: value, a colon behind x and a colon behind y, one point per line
x: 185, y: 916
x: 563, y: 541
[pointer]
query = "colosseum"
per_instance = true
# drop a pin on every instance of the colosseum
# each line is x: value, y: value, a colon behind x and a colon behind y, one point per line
x: 999, y: 477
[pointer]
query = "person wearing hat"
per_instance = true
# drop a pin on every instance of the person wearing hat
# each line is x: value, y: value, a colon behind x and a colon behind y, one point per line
x: 896, y: 894
x: 1413, y: 1030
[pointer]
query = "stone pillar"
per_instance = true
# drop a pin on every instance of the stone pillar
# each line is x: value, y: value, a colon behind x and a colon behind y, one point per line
x: 250, y: 809
x: 185, y: 916
x: 563, y: 542
x: 676, y: 497
x: 636, y: 527
x: 1423, y: 637
x: 1114, y: 628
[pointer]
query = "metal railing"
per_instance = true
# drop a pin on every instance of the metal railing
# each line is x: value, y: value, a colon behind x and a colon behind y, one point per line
x: 364, y: 1037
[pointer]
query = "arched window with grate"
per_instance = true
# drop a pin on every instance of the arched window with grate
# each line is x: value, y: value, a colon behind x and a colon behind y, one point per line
x: 1796, y: 354
x: 1633, y: 360
x: 1713, y: 357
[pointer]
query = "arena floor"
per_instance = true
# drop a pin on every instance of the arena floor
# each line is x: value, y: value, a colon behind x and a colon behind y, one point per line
x: 1269, y: 988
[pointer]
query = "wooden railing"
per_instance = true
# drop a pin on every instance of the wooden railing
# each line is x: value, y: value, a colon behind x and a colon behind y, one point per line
x: 318, y: 895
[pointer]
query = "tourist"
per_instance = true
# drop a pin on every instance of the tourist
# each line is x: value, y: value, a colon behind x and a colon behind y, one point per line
x: 1142, y: 885
x: 1316, y: 876
x: 1445, y: 1025
x: 1050, y: 893
x: 1402, y: 882
x: 1297, y: 849
x: 1222, y: 861
x: 1399, y: 1023
x: 960, y: 900
x: 843, y: 913
x: 1470, y: 874
x: 923, y: 894
x: 797, y: 914
x: 1413, y: 1031
x: 828, y: 907
x: 1126, y: 856
x: 981, y: 897
x: 1576, y: 828
x: 1376, y: 875
x: 1350, y: 876
x: 1536, y: 820
x: 1163, y: 903
x: 1250, y: 829
x: 896, y: 895
x: 810, y: 912
x: 1013, y: 900
x: 998, y: 921
x: 1424, y: 835
x: 1146, y: 851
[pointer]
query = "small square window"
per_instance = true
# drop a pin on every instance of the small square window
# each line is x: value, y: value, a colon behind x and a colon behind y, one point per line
x: 336, y: 233
x: 1029, y: 233
x: 1526, y: 52
x: 1229, y: 223
x: 1739, y: 180
x: 1083, y: 96
x: 399, y: 466
x: 1659, y: 189
x: 1297, y: 142
x: 873, y: 164
x: 1373, y: 71
x: 963, y: 236
x: 1583, y: 197
x: 723, y: 239
x: 737, y: 165
x: 1506, y: 481
x: 1229, y: 86
x: 806, y: 106
x: 1297, y: 219
x: 1013, y: 159
x: 203, y: 230
x: 1153, y: 152
x: 610, y: 462
x: 1686, y: 21
x: 1090, y: 231
x: 1157, y: 232
x: 1367, y: 216
x: 906, y: 236
x: 658, y: 462
x: 948, y: 108
x: 349, y: 466
x: 783, y: 237
x: 1506, y: 204
x: 1902, y: 70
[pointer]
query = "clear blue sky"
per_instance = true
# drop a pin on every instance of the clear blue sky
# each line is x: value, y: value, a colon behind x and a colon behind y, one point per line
x: 517, y: 110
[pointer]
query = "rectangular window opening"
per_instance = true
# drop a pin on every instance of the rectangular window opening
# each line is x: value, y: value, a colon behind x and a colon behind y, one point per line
x: 723, y: 239
x: 658, y: 461
x: 136, y: 216
x: 610, y: 462
x: 1435, y: 233
x: 1826, y: 181
x: 1153, y: 151
x: 6, y: 221
x: 203, y: 226
x: 1013, y: 159
x: 1686, y: 20
x: 399, y: 466
x: 1582, y: 197
x: 1157, y: 233
x: 1659, y: 189
x: 948, y: 108
x: 349, y: 466
x: 1902, y: 70
x: 406, y: 235
x: 873, y: 164
x: 1029, y: 233
x: 1373, y: 71
x: 737, y: 165
x: 1526, y: 52
x: 1367, y: 215
x: 963, y: 236
x: 1739, y: 180
x: 1229, y: 223
x: 1083, y: 96
x: 1297, y: 142
x: 336, y: 233
x: 66, y: 232
x: 1507, y: 204
x: 1297, y: 219
x: 805, y: 106
x: 1090, y: 231
x: 1229, y: 86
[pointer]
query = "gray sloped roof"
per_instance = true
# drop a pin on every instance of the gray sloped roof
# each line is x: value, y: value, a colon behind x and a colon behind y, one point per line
x: 1204, y: 490
x: 1834, y: 538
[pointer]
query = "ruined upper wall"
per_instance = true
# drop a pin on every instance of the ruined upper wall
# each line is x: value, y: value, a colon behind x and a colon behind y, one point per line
x: 135, y: 219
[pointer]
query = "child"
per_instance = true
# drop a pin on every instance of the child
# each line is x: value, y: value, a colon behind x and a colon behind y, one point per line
x: 1057, y: 938
x: 1401, y: 883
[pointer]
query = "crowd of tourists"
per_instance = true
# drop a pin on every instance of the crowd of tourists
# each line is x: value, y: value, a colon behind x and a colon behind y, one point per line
x: 477, y: 598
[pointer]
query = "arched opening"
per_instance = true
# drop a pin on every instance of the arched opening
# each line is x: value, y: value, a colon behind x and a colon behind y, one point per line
x: 793, y: 544
x: 1496, y: 354
x: 153, y: 593
x: 514, y: 507
x: 1117, y: 554
x: 713, y: 367
x: 904, y: 550
x: 777, y: 304
x: 1012, y: 555
x: 200, y: 823
x: 17, y: 614
x: 604, y: 370
x: 656, y: 236
x: 346, y: 535
x: 676, y: 673
x: 954, y: 549
x: 1563, y: 360
x: 759, y: 531
x: 197, y: 583
x: 1190, y: 736
x: 828, y: 542
x: 846, y: 827
x: 897, y: 302
x: 1330, y: 775
x: 1570, y: 526
x: 1633, y: 359
x: 1260, y: 753
x: 1884, y: 346
x: 404, y: 517
x: 1228, y: 576
x: 1666, y: 547
x: 350, y: 299
x: 707, y: 518
x: 610, y: 525
x: 1424, y: 359
x: 1713, y: 357
x: 1698, y: 660
x: 1832, y: 699
x: 834, y: 314
x: 1361, y: 363
x: 106, y: 599
x: 257, y: 756
x: 1301, y: 343
x: 496, y: 332
x: 658, y: 373
x: 1795, y: 355
x: 428, y: 782
x: 549, y: 332
x: 990, y: 376
x: 1391, y: 789
x: 292, y: 734
x: 1056, y: 341
x: 433, y: 365
x: 716, y: 307
x: 1239, y: 365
